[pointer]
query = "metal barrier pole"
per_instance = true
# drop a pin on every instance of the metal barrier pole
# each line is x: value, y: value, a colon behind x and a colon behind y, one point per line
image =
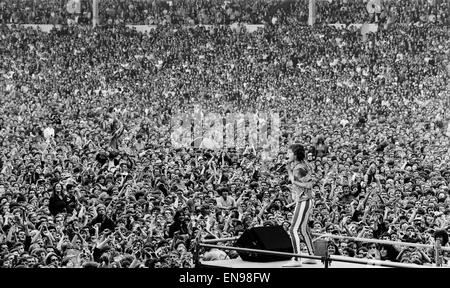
x: 219, y: 240
x: 331, y: 257
x: 197, y: 250
x: 196, y: 255
x: 327, y: 258
x: 269, y: 252
x: 437, y: 253
x: 376, y: 262
x: 418, y: 245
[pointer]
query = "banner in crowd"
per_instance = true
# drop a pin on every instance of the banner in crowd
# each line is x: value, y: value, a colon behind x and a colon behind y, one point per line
x: 73, y: 6
x: 363, y: 28
x: 43, y: 27
x: 235, y: 26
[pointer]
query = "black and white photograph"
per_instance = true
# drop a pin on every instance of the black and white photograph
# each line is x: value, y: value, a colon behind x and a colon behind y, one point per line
x: 229, y: 134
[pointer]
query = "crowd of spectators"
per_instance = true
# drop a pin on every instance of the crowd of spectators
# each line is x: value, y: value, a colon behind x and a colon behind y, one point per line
x: 41, y: 12
x: 213, y: 12
x: 389, y: 11
x: 89, y: 176
x: 156, y: 12
x: 188, y: 12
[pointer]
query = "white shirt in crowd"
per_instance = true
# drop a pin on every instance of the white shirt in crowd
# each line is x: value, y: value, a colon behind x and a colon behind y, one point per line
x: 49, y: 132
x: 222, y: 203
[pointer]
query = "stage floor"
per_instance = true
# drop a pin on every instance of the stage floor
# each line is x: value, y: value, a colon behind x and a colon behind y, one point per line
x: 239, y: 263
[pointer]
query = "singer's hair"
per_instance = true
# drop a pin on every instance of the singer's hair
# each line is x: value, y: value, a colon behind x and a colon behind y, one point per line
x: 443, y: 234
x: 298, y: 150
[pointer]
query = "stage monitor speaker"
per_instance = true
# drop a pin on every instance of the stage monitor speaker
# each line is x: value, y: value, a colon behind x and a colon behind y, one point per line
x: 321, y: 247
x: 273, y: 238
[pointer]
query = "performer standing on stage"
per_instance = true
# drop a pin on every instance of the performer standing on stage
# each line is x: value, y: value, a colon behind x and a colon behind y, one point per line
x: 301, y: 183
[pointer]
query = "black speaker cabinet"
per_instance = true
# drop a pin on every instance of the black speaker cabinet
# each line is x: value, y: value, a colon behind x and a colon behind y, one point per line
x: 272, y: 238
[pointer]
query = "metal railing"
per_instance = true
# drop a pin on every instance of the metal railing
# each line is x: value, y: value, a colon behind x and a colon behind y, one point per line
x: 327, y: 259
x: 409, y: 244
x: 388, y: 242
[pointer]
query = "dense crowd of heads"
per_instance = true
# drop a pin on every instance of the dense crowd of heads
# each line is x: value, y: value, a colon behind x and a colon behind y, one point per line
x: 384, y: 12
x: 89, y: 175
x: 159, y: 12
